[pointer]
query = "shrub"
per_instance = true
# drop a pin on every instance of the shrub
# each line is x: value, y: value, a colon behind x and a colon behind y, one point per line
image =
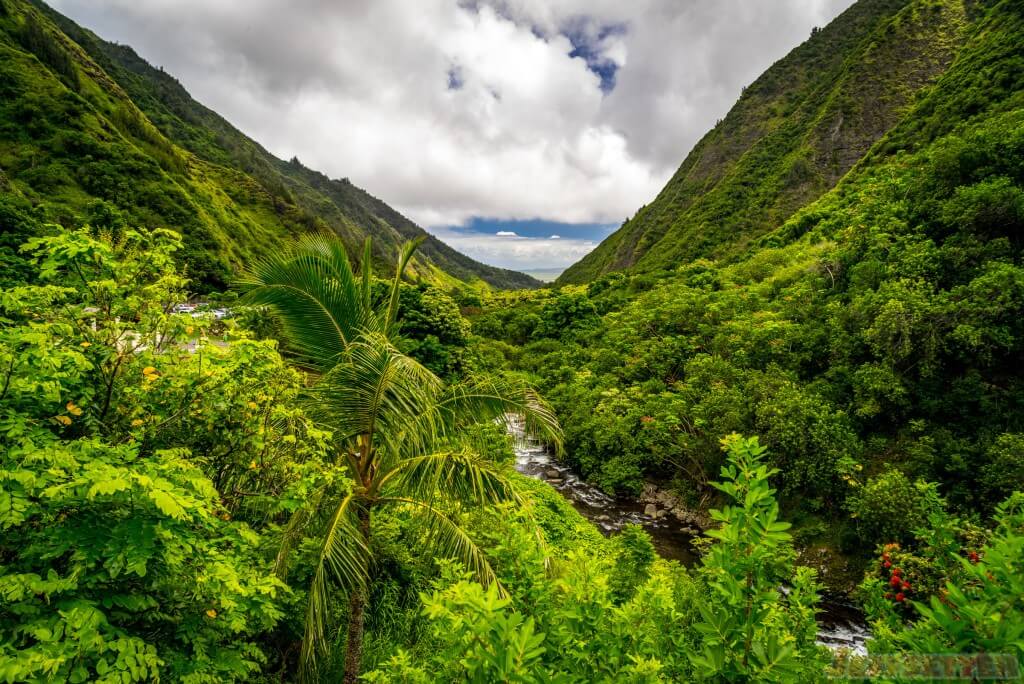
x: 1003, y: 472
x: 980, y: 611
x: 749, y: 632
x: 890, y: 507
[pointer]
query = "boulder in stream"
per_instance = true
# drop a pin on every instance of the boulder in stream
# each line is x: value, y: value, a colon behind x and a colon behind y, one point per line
x: 650, y: 510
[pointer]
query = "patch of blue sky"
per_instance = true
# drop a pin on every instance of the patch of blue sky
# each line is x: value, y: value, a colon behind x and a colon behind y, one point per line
x: 537, y: 228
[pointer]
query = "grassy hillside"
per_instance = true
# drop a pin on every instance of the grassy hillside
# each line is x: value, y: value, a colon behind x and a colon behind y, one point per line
x: 89, y: 132
x: 791, y: 136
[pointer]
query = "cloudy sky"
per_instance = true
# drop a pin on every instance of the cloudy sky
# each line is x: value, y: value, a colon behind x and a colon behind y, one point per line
x: 519, y: 131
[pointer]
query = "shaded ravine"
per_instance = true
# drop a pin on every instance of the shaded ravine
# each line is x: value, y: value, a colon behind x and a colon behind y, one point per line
x: 840, y: 624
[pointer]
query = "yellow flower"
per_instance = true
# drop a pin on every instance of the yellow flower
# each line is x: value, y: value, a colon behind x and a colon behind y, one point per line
x: 87, y: 344
x: 63, y: 420
x: 149, y: 370
x: 253, y: 405
x: 211, y: 613
x: 189, y: 330
x: 72, y: 409
x: 253, y: 466
x: 137, y: 422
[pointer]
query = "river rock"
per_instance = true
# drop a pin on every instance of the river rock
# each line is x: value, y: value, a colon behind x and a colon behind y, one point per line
x: 685, y: 516
x: 648, y: 493
x: 650, y: 510
x: 603, y: 518
x: 552, y: 474
x: 556, y: 481
x: 652, y: 494
x: 660, y: 514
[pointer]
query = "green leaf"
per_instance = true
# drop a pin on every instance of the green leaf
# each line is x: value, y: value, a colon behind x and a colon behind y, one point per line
x: 167, y: 504
x: 108, y: 487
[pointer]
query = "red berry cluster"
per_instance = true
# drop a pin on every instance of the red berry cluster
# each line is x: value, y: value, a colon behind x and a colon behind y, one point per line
x: 973, y: 557
x: 896, y: 581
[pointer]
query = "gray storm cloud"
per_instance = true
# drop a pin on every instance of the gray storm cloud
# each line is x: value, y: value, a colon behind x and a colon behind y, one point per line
x: 449, y: 110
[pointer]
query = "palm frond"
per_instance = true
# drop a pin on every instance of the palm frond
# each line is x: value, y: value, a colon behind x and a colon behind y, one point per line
x: 456, y: 476
x: 344, y: 558
x: 404, y: 255
x: 486, y: 399
x: 448, y: 539
x: 366, y: 268
x: 376, y: 390
x: 312, y: 290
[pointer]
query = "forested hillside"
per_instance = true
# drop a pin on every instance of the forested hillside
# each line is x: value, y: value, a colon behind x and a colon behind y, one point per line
x: 793, y: 133
x: 873, y: 340
x: 91, y: 133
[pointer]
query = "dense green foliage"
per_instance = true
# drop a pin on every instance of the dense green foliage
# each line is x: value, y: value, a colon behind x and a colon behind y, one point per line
x: 90, y: 131
x: 579, y: 626
x: 129, y: 541
x: 158, y: 471
x: 872, y: 341
x: 434, y: 331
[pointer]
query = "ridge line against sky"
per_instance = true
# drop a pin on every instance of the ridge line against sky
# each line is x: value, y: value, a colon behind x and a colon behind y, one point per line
x: 473, y: 118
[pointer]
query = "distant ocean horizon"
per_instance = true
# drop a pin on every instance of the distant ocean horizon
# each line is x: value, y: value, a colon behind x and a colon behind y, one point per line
x: 545, y: 275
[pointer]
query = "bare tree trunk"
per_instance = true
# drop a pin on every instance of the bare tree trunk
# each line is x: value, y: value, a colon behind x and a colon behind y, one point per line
x: 357, y: 601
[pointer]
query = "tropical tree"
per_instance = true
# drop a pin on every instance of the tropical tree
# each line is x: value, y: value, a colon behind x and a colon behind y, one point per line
x: 400, y: 431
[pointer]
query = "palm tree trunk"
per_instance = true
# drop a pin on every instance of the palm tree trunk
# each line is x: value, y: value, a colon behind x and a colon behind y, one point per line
x: 357, y: 601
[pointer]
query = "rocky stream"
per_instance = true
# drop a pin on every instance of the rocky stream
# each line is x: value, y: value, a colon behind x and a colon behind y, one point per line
x: 672, y: 529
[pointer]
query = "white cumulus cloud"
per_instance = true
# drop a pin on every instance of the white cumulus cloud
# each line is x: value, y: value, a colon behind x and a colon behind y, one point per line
x: 572, y: 111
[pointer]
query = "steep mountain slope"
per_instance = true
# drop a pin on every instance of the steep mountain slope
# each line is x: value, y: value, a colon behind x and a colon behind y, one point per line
x: 791, y: 136
x: 872, y: 341
x: 90, y: 132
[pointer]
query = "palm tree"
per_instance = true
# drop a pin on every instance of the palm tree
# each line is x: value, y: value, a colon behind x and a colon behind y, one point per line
x: 399, y: 430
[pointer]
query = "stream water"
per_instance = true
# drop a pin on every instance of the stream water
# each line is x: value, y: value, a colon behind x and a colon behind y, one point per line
x: 840, y: 623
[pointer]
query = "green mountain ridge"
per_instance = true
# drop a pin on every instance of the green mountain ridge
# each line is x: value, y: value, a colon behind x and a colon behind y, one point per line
x: 872, y: 341
x: 90, y: 132
x: 792, y: 135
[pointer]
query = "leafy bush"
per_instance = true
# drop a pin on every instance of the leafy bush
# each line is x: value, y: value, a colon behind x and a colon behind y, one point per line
x: 891, y: 507
x: 122, y: 559
x: 749, y: 632
x: 1003, y: 472
x: 981, y: 611
x: 566, y: 314
x: 435, y: 332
